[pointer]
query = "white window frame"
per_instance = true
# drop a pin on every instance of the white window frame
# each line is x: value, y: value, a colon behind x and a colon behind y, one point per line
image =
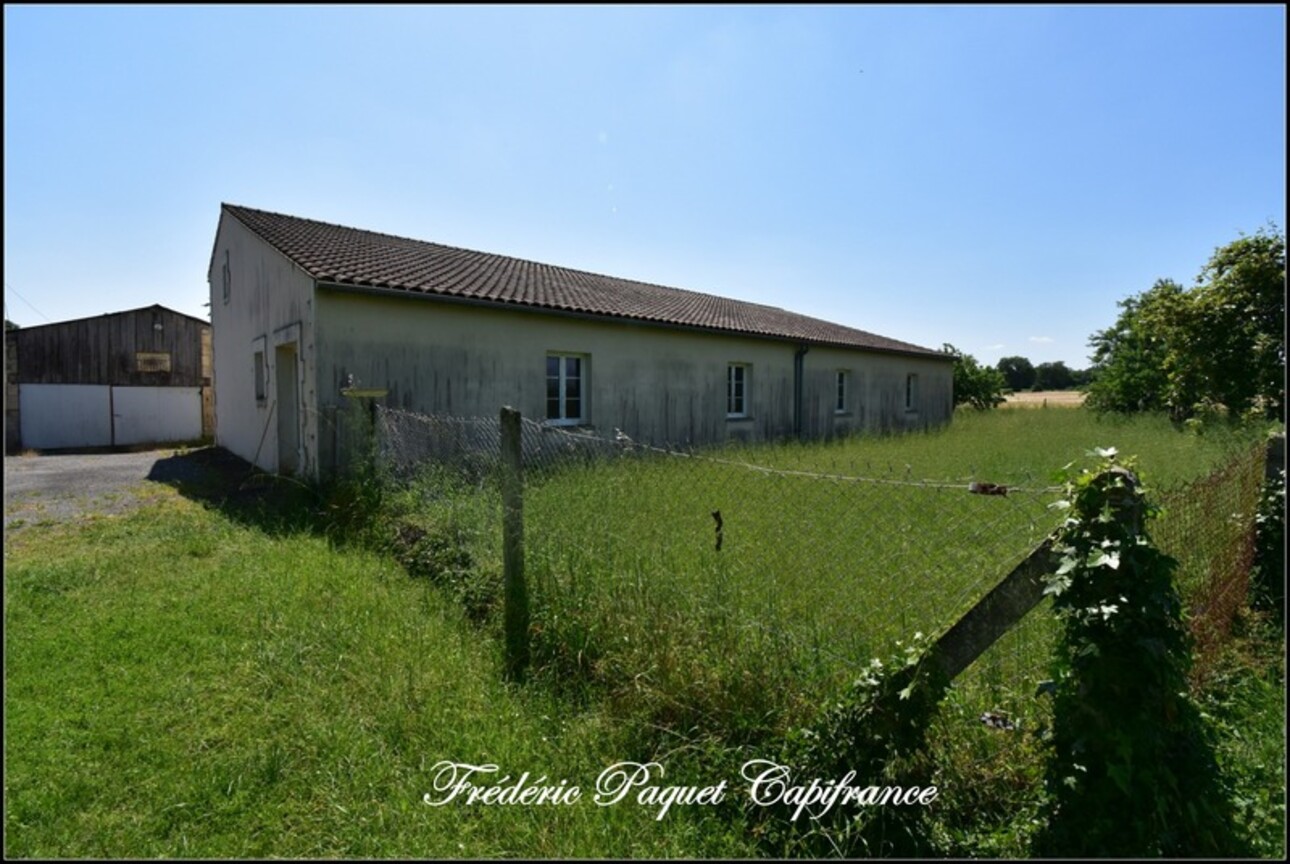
x: 738, y: 382
x: 584, y: 367
x: 911, y: 392
x: 842, y: 391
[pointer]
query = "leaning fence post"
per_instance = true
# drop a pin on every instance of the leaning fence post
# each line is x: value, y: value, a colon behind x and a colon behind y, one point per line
x: 515, y: 592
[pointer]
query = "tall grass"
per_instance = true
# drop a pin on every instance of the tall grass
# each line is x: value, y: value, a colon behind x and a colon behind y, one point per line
x: 181, y: 685
x: 815, y: 573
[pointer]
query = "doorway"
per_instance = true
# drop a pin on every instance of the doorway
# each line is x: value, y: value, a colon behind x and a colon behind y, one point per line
x: 288, y: 408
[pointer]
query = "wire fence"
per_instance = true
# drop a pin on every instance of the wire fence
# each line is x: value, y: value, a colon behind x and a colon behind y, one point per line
x: 1208, y: 526
x: 770, y: 573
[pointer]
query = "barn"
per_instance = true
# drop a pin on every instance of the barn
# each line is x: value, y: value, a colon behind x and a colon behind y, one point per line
x: 141, y: 376
x: 304, y: 311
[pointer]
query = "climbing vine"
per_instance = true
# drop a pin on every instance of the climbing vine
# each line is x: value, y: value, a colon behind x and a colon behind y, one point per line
x: 875, y: 731
x: 1131, y: 770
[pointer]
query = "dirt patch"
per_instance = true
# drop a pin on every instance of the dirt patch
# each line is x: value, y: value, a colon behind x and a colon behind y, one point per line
x: 1045, y: 398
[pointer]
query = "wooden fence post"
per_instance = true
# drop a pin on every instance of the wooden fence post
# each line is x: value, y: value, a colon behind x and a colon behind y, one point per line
x: 1020, y: 591
x: 995, y: 614
x: 515, y: 591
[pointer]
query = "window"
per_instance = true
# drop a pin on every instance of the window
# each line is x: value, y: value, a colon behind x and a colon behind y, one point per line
x: 840, y: 397
x: 911, y: 392
x: 737, y: 390
x: 228, y: 277
x: 565, y: 382
x: 259, y: 376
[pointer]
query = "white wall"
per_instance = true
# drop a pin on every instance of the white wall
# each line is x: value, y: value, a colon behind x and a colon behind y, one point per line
x: 656, y: 384
x: 270, y: 300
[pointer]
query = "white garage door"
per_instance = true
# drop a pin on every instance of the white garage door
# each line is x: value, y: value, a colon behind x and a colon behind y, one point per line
x: 64, y: 415
x: 95, y: 415
x: 147, y: 414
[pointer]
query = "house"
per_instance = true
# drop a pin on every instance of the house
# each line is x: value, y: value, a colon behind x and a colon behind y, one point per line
x: 305, y: 310
x: 140, y: 376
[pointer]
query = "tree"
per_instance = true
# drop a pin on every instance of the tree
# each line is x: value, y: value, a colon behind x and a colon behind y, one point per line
x: 1054, y: 376
x: 1240, y: 303
x: 1220, y: 342
x: 1129, y: 357
x: 1018, y: 372
x: 9, y: 325
x: 974, y: 384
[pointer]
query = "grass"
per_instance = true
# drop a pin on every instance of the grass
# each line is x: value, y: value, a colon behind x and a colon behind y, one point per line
x: 815, y: 574
x: 192, y: 681
x: 181, y: 685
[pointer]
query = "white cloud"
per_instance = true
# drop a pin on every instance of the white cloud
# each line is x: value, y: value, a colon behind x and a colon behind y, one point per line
x: 995, y: 347
x: 1041, y: 338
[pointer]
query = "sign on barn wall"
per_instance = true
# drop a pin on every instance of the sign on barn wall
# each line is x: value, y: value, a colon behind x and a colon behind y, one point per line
x: 152, y: 361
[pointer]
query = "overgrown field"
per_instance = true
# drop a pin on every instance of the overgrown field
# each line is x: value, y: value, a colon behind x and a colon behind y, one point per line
x: 195, y: 680
x: 821, y: 563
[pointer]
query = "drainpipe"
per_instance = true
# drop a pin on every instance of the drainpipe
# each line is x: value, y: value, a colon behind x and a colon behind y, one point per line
x: 799, y: 362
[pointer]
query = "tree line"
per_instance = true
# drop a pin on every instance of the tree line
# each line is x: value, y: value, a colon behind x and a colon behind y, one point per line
x: 1218, y: 345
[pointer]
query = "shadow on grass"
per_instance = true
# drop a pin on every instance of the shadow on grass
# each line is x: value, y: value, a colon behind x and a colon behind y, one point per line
x: 220, y: 480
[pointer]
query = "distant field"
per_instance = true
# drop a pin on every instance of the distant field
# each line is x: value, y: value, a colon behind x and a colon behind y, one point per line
x: 1027, y: 399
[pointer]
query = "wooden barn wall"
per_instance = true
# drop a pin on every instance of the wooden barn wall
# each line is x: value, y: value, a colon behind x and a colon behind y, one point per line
x: 107, y: 349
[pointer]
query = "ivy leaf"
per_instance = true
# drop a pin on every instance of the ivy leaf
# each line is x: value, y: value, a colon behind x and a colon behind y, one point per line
x: 1105, y: 559
x: 1057, y: 585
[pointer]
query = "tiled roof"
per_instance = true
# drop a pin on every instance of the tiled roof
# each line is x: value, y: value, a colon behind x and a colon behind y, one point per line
x: 338, y: 255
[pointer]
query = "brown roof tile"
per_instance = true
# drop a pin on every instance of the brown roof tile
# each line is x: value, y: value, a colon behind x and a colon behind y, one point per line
x: 350, y: 256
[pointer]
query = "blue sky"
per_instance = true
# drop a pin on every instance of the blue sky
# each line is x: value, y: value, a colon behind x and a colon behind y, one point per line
x: 992, y: 177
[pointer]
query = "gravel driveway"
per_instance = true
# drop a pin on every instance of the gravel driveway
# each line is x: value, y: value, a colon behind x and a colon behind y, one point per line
x: 62, y: 487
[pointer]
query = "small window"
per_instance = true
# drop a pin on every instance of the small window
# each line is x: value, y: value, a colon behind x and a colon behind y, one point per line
x: 911, y: 392
x: 840, y: 396
x: 228, y: 277
x: 737, y: 390
x: 260, y: 389
x: 566, y: 379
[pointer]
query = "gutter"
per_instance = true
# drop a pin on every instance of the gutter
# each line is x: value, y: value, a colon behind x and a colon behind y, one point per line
x: 799, y: 364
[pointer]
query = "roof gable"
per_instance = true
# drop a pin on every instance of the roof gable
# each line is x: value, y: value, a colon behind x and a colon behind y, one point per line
x: 157, y: 307
x: 334, y: 254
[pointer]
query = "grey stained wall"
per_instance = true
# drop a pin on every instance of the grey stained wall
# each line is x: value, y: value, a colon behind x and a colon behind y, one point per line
x: 656, y: 384
x: 268, y: 308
